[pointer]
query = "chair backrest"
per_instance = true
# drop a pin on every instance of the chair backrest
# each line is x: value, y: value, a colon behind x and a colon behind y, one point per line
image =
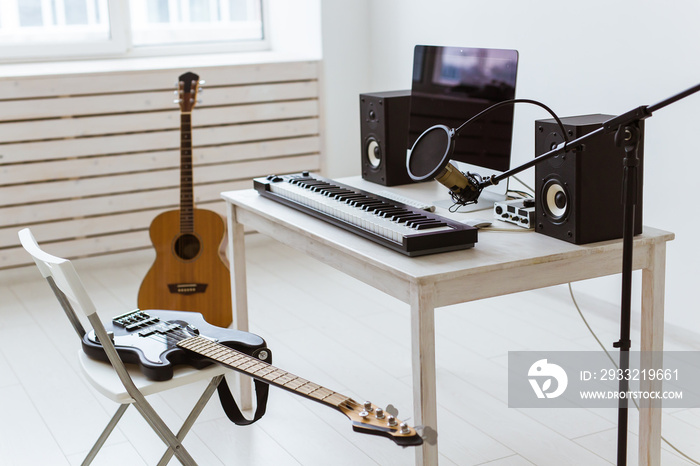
x: 61, y: 271
x: 71, y: 293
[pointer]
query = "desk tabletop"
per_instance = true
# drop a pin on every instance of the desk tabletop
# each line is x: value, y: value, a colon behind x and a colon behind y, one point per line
x: 495, y: 250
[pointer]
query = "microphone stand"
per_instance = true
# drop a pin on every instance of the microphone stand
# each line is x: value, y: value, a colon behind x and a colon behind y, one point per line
x: 627, y: 135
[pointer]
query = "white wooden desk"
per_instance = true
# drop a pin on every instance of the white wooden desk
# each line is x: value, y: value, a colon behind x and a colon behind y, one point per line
x: 501, y: 263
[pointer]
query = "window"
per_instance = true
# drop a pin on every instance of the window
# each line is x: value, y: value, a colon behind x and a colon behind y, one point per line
x: 160, y: 22
x: 36, y: 29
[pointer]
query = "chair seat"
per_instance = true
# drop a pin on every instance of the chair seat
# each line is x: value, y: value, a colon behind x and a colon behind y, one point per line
x: 103, y: 377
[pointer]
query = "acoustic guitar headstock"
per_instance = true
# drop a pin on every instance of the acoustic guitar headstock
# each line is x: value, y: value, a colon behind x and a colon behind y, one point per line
x: 370, y: 419
x: 187, y: 90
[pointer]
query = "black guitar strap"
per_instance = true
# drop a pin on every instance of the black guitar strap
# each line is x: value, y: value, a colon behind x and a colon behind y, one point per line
x: 233, y: 412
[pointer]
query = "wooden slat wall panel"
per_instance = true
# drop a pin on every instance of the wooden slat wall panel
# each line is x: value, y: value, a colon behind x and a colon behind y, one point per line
x: 32, y: 87
x: 149, y: 101
x: 64, y: 128
x: 153, y: 141
x: 89, y: 161
x: 158, y: 160
x: 146, y: 181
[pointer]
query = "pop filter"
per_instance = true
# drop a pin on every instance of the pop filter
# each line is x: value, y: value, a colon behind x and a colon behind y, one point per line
x: 430, y: 153
x: 429, y: 158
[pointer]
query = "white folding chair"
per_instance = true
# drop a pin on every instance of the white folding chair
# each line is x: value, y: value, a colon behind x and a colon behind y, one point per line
x: 122, y: 385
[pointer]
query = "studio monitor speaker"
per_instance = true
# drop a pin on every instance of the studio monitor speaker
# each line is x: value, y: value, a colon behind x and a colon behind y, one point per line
x: 579, y: 194
x: 384, y: 130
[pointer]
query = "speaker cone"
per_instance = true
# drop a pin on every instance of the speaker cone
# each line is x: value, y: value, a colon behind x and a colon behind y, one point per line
x: 555, y: 200
x: 373, y: 152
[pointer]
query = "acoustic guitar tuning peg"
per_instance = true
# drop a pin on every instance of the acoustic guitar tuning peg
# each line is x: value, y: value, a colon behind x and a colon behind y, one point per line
x: 202, y: 82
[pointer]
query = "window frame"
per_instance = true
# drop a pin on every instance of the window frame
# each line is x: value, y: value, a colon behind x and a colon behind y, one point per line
x: 120, y: 44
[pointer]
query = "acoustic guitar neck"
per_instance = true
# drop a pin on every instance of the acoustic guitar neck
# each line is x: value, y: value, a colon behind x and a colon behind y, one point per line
x: 186, y: 184
x: 188, y: 85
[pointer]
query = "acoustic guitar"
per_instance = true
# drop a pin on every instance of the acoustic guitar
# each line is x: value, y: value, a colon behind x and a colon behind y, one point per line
x: 190, y: 272
x: 157, y: 340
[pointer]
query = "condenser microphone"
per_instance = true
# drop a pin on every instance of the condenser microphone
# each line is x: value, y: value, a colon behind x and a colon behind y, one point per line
x: 429, y: 158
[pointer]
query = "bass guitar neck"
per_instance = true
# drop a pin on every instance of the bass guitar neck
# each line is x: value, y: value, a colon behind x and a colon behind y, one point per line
x: 366, y: 417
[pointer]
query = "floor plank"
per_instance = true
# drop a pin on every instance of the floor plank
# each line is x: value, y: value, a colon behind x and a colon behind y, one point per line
x: 336, y: 331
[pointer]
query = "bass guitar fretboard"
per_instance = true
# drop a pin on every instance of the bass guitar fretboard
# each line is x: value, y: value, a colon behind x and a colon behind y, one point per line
x: 268, y: 373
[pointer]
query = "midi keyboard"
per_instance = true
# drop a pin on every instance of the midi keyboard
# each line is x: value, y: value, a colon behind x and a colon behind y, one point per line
x: 400, y: 227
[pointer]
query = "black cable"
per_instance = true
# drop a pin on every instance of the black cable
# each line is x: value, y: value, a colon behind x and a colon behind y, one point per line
x: 580, y: 313
x: 516, y: 101
x: 455, y: 198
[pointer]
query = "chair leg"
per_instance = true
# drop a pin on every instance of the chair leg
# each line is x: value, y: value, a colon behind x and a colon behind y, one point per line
x: 192, y: 417
x: 105, y: 433
x: 163, y: 431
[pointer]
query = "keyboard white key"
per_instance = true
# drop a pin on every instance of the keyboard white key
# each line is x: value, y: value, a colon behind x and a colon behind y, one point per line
x: 408, y: 201
x: 369, y: 221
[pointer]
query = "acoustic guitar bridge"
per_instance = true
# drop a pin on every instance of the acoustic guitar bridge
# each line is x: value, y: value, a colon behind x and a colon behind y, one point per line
x: 187, y: 288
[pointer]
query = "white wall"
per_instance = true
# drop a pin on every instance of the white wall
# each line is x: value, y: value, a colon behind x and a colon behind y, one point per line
x: 346, y: 35
x: 294, y: 28
x: 598, y: 56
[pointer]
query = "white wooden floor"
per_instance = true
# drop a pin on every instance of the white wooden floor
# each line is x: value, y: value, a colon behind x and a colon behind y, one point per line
x: 330, y: 329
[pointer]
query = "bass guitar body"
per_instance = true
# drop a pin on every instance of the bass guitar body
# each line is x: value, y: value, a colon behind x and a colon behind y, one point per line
x: 150, y: 340
x: 189, y: 272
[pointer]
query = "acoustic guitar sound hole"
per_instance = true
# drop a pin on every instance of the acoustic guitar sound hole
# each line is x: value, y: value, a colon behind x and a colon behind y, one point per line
x: 187, y: 247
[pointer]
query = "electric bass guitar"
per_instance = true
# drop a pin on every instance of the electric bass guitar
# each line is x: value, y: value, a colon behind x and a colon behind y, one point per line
x: 190, y: 272
x: 157, y: 340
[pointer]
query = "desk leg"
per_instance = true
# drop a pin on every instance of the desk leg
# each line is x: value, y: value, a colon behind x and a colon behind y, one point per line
x: 239, y: 293
x: 423, y: 364
x: 652, y: 339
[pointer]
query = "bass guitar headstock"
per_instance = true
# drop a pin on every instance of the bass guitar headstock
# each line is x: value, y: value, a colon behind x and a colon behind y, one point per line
x: 188, y: 86
x: 370, y: 419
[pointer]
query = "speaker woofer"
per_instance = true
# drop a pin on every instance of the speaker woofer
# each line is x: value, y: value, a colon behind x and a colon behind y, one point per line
x: 373, y: 153
x: 555, y: 200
